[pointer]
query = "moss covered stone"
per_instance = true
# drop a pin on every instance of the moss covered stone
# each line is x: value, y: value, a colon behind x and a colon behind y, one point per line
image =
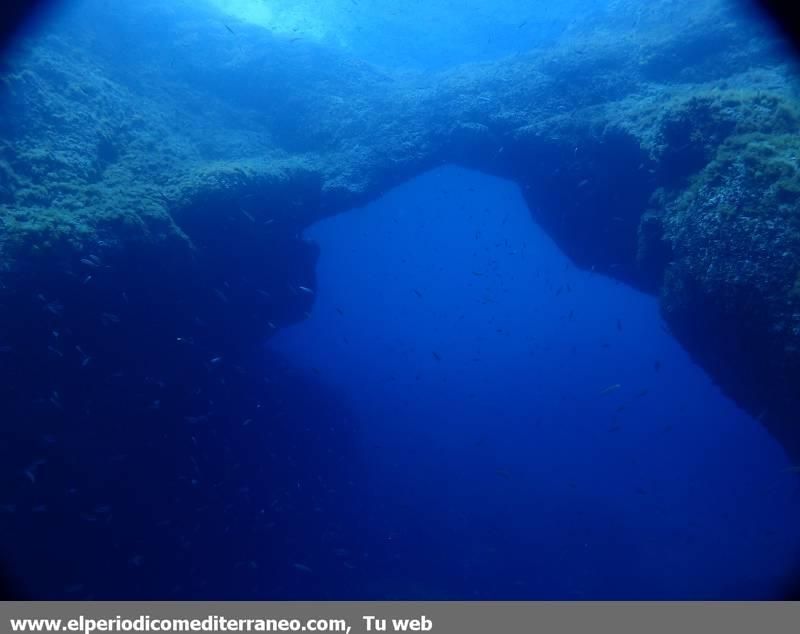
x: 665, y: 157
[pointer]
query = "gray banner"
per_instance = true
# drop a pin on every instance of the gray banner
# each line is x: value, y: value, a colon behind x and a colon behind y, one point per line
x: 365, y: 617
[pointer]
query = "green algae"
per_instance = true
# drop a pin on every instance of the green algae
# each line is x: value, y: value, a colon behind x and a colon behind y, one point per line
x: 753, y: 174
x: 150, y: 163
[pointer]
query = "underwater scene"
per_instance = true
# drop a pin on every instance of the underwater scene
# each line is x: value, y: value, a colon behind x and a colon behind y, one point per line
x: 399, y: 300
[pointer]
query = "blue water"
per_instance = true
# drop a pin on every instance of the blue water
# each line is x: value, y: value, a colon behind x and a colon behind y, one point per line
x: 418, y: 34
x: 530, y: 429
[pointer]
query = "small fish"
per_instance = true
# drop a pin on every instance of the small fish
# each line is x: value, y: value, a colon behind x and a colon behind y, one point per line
x: 215, y: 360
x: 221, y: 296
x: 417, y: 293
x: 230, y: 30
x: 135, y: 561
x: 55, y: 399
x: 436, y: 356
x: 302, y: 568
x: 30, y: 472
x: 305, y: 289
x: 55, y: 308
x: 85, y: 358
x: 610, y: 389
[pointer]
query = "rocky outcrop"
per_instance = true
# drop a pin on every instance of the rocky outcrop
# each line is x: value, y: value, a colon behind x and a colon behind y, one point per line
x: 184, y: 174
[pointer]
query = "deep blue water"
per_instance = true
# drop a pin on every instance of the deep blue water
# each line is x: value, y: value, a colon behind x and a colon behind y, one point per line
x: 529, y: 429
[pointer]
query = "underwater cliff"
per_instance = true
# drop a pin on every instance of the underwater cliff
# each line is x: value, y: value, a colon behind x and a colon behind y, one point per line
x: 665, y: 159
x: 154, y: 191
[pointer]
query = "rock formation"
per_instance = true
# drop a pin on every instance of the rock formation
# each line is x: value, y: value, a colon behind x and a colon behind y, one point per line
x: 154, y: 191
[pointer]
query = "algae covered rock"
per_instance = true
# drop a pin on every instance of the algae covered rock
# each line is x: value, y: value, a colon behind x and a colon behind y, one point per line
x: 188, y: 168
